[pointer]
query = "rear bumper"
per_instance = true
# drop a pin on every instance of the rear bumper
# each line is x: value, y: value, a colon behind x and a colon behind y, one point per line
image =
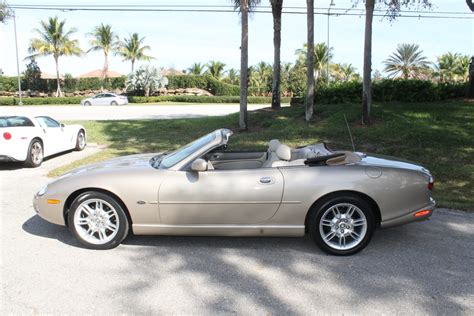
x: 410, y: 217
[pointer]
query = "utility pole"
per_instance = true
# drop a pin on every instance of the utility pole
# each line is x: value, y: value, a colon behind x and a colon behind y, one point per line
x: 329, y: 58
x: 17, y: 60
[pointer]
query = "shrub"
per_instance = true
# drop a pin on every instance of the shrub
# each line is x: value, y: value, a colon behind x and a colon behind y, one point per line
x: 40, y: 101
x: 9, y: 84
x: 138, y: 99
x: 187, y: 81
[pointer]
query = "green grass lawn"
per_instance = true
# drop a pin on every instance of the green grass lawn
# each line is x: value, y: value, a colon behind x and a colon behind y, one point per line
x: 439, y: 136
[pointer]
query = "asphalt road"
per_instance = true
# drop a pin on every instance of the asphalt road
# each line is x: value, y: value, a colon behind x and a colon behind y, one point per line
x: 128, y: 112
x: 421, y: 268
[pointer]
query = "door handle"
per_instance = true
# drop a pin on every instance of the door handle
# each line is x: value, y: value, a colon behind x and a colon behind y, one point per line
x: 216, y: 156
x: 266, y: 180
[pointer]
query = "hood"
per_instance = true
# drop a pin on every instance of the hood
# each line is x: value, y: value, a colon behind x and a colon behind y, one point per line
x: 132, y: 162
x: 391, y: 162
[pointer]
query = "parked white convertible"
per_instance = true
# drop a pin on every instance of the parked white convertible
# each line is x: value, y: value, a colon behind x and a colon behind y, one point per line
x: 31, y: 139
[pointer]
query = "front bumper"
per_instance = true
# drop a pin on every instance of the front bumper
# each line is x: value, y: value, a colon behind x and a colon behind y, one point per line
x: 5, y: 158
x: 52, y: 213
x: 410, y: 217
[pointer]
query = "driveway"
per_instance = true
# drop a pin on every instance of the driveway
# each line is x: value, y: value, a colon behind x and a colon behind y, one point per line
x: 421, y: 268
x: 128, y: 112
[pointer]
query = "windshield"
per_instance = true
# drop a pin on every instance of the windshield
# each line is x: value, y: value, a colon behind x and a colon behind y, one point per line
x: 185, y: 151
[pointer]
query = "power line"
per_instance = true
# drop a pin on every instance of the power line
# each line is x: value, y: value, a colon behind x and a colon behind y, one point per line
x: 230, y: 9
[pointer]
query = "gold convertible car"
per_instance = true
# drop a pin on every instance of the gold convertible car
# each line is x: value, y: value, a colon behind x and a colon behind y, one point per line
x: 203, y: 189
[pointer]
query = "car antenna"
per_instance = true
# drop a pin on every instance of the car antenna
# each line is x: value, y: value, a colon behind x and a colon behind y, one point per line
x: 350, y: 134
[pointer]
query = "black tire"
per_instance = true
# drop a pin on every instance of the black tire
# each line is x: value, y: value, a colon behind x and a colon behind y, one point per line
x: 80, y: 141
x: 87, y: 103
x: 32, y: 158
x: 113, y: 103
x: 342, y: 202
x: 121, y: 221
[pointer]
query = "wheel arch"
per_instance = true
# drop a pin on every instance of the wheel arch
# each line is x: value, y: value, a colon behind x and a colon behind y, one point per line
x: 70, y: 199
x: 374, y: 206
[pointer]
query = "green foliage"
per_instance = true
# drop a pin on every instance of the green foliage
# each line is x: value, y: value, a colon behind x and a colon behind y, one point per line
x: 40, y: 101
x: 142, y: 99
x: 388, y: 90
x: 145, y: 80
x: 9, y: 84
x: 205, y: 82
x: 187, y: 81
x: 32, y: 77
x: 201, y: 99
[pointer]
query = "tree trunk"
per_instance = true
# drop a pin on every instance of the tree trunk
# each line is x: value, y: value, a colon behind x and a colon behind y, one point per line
x: 58, y: 80
x: 309, y: 101
x: 244, y: 11
x: 367, y: 72
x: 470, y: 4
x: 470, y: 89
x: 105, y: 71
x: 133, y: 64
x: 276, y: 11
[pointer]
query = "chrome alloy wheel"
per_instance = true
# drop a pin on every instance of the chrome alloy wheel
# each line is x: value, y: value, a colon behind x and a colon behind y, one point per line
x: 343, y: 226
x: 36, y: 153
x: 96, y: 221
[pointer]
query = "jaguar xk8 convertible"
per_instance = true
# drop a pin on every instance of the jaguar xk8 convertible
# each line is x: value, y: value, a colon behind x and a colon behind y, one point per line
x: 203, y: 189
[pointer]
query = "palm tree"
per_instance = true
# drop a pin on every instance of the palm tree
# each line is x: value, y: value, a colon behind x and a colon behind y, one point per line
x: 446, y: 67
x: 309, y: 101
x: 407, y: 62
x: 344, y: 72
x: 261, y: 76
x: 233, y: 76
x: 104, y: 40
x: 215, y: 69
x: 244, y: 7
x: 196, y: 69
x: 277, y: 6
x: 321, y: 57
x: 54, y: 39
x: 133, y: 49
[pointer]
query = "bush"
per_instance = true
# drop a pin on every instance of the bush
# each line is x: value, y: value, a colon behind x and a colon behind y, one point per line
x: 9, y: 84
x: 205, y: 82
x: 134, y: 99
x: 388, y: 90
x: 40, y: 101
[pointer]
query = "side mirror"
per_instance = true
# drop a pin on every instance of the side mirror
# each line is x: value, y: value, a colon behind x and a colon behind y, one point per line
x: 62, y: 125
x: 199, y: 165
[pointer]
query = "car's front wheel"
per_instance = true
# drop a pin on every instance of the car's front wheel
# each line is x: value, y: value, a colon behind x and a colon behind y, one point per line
x: 87, y: 103
x: 97, y: 221
x: 342, y: 225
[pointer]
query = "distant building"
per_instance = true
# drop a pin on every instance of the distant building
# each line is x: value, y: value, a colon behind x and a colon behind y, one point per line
x: 45, y: 75
x: 99, y: 73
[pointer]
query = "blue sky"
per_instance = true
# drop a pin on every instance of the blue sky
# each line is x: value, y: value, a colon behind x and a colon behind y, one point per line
x: 179, y: 39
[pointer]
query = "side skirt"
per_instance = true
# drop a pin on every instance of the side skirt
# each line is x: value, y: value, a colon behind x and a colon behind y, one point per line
x: 220, y: 230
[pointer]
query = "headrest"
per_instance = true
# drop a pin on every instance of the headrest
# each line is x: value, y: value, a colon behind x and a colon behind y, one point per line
x: 273, y: 144
x: 283, y: 152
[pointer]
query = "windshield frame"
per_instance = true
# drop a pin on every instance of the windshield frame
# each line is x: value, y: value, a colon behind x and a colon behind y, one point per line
x: 221, y: 137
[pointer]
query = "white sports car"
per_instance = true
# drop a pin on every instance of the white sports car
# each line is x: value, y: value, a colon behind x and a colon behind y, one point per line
x: 30, y: 139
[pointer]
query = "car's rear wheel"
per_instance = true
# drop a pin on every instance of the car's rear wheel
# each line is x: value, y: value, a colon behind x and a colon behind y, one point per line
x: 35, y: 154
x: 98, y: 221
x: 113, y: 103
x: 87, y: 103
x: 80, y: 141
x: 342, y: 225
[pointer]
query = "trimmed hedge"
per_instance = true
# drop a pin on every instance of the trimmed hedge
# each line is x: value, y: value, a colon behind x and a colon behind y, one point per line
x: 165, y: 98
x: 391, y: 90
x: 205, y: 82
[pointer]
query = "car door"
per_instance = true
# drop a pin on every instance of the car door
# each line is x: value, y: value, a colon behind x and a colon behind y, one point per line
x: 98, y: 100
x: 220, y: 197
x: 53, y: 135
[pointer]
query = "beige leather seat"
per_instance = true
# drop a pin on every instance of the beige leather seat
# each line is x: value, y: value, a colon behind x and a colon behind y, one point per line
x: 282, y: 157
x: 272, y: 156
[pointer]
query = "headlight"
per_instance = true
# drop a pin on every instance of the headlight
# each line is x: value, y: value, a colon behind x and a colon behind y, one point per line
x: 43, y: 190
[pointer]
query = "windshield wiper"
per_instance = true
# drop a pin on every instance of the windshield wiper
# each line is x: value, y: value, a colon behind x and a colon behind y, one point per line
x: 155, y: 161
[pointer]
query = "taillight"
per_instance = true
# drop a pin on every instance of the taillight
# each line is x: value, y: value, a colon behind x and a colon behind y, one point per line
x: 431, y: 184
x: 7, y: 135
